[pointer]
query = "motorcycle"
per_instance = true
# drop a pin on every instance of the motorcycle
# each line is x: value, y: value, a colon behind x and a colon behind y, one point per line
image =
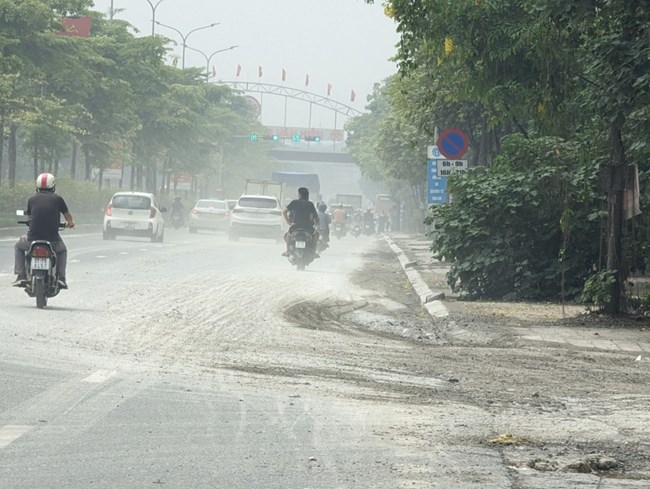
x: 339, y: 230
x: 301, y: 249
x: 368, y: 228
x: 356, y: 230
x: 40, y: 269
x: 177, y: 220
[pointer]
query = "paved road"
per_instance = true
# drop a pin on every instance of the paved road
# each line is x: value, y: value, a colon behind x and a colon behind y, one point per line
x: 150, y: 371
x: 205, y: 363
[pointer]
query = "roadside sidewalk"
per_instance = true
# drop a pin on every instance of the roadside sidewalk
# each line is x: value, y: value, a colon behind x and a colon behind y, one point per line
x: 477, y: 322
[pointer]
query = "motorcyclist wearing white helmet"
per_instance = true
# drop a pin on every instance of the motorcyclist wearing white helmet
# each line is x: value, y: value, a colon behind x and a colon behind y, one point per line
x: 44, y: 211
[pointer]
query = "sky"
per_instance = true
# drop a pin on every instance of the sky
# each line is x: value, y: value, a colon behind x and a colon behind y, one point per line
x: 345, y: 43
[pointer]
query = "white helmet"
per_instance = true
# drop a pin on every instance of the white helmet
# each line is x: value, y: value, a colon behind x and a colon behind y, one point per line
x: 45, y: 181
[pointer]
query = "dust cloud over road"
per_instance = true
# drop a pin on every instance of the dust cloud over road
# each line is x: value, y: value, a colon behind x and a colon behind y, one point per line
x: 339, y: 366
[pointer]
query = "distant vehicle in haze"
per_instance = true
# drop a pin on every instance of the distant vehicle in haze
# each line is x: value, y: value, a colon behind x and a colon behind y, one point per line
x: 257, y: 216
x: 209, y: 214
x: 383, y: 203
x: 352, y: 200
x: 231, y: 203
x: 134, y: 214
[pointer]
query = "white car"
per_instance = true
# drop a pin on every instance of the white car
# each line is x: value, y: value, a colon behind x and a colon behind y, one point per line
x: 134, y: 214
x: 257, y: 216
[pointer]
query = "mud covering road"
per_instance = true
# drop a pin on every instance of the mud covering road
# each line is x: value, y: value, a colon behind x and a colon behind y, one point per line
x: 199, y: 349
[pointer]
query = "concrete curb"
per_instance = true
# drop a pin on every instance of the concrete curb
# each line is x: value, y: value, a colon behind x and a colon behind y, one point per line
x: 431, y: 300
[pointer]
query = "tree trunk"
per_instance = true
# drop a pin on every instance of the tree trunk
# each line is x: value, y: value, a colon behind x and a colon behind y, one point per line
x: 35, y: 162
x: 2, y: 148
x: 615, y: 252
x: 56, y: 165
x: 11, y: 154
x: 87, y: 161
x: 73, y: 162
x: 132, y: 177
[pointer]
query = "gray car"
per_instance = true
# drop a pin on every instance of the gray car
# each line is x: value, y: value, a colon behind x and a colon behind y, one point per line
x: 210, y: 214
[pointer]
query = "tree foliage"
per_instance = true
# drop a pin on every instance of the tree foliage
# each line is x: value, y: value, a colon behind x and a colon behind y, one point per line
x: 575, y: 72
x: 113, y: 97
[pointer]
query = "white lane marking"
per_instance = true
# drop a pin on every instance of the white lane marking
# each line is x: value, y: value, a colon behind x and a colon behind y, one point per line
x: 100, y: 376
x: 10, y: 433
x: 124, y: 252
x: 101, y: 256
x: 65, y: 237
x: 74, y: 261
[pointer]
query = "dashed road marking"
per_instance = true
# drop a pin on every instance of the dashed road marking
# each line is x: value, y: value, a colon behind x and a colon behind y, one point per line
x: 101, y: 256
x: 74, y: 261
x: 124, y: 252
x: 100, y: 376
x: 10, y: 433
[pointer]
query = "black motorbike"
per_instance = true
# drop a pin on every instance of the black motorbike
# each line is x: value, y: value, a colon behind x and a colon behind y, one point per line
x: 368, y: 228
x: 356, y: 230
x: 301, y: 248
x: 42, y: 278
x: 177, y: 219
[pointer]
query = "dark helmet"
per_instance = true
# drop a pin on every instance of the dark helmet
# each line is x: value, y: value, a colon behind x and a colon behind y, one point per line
x: 322, y: 207
x: 303, y: 192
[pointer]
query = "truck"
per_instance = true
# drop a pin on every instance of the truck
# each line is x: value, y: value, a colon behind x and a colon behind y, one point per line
x: 355, y: 201
x: 264, y: 187
x: 294, y: 180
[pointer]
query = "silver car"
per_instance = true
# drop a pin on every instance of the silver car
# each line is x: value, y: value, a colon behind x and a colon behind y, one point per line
x: 209, y: 214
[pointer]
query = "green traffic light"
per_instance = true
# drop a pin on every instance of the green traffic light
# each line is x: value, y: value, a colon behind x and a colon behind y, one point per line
x: 253, y: 137
x: 296, y: 137
x: 317, y: 139
x: 275, y: 137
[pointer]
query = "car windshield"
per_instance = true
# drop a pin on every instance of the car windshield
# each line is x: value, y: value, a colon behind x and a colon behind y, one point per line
x: 131, y: 202
x: 211, y: 204
x: 258, y: 203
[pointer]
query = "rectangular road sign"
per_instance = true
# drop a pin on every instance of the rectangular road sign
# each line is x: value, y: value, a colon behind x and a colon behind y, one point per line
x: 437, y: 186
x: 449, y: 167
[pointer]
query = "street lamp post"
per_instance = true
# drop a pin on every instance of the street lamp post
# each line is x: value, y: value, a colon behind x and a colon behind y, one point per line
x: 185, y: 36
x: 153, y: 15
x: 208, y: 58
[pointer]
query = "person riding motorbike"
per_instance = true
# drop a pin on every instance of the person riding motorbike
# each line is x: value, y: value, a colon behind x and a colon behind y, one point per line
x: 44, y: 210
x: 369, y: 219
x: 325, y: 221
x: 339, y: 214
x: 177, y: 210
x: 304, y: 216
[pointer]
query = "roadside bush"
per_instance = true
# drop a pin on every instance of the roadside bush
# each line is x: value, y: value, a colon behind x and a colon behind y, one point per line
x: 513, y: 228
x: 85, y: 200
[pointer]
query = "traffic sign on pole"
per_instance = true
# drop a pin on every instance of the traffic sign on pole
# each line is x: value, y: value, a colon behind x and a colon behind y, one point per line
x: 437, y: 186
x: 453, y: 143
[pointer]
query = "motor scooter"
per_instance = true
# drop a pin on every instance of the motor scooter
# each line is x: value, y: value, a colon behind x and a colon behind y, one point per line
x: 301, y: 248
x: 42, y: 278
x: 339, y: 229
x: 356, y: 230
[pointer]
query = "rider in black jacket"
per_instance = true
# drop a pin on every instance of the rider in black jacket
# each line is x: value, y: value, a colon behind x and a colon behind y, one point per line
x: 44, y: 211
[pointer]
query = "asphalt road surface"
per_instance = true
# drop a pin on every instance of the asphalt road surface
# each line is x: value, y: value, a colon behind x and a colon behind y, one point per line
x: 204, y: 363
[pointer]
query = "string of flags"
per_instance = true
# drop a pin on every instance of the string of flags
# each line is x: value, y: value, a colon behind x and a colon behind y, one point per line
x: 283, y: 77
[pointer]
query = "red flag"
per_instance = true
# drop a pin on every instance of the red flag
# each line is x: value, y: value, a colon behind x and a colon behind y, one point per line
x: 75, y: 26
x: 259, y: 72
x: 353, y: 96
x: 306, y: 80
x: 284, y: 75
x: 329, y: 89
x: 238, y: 70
